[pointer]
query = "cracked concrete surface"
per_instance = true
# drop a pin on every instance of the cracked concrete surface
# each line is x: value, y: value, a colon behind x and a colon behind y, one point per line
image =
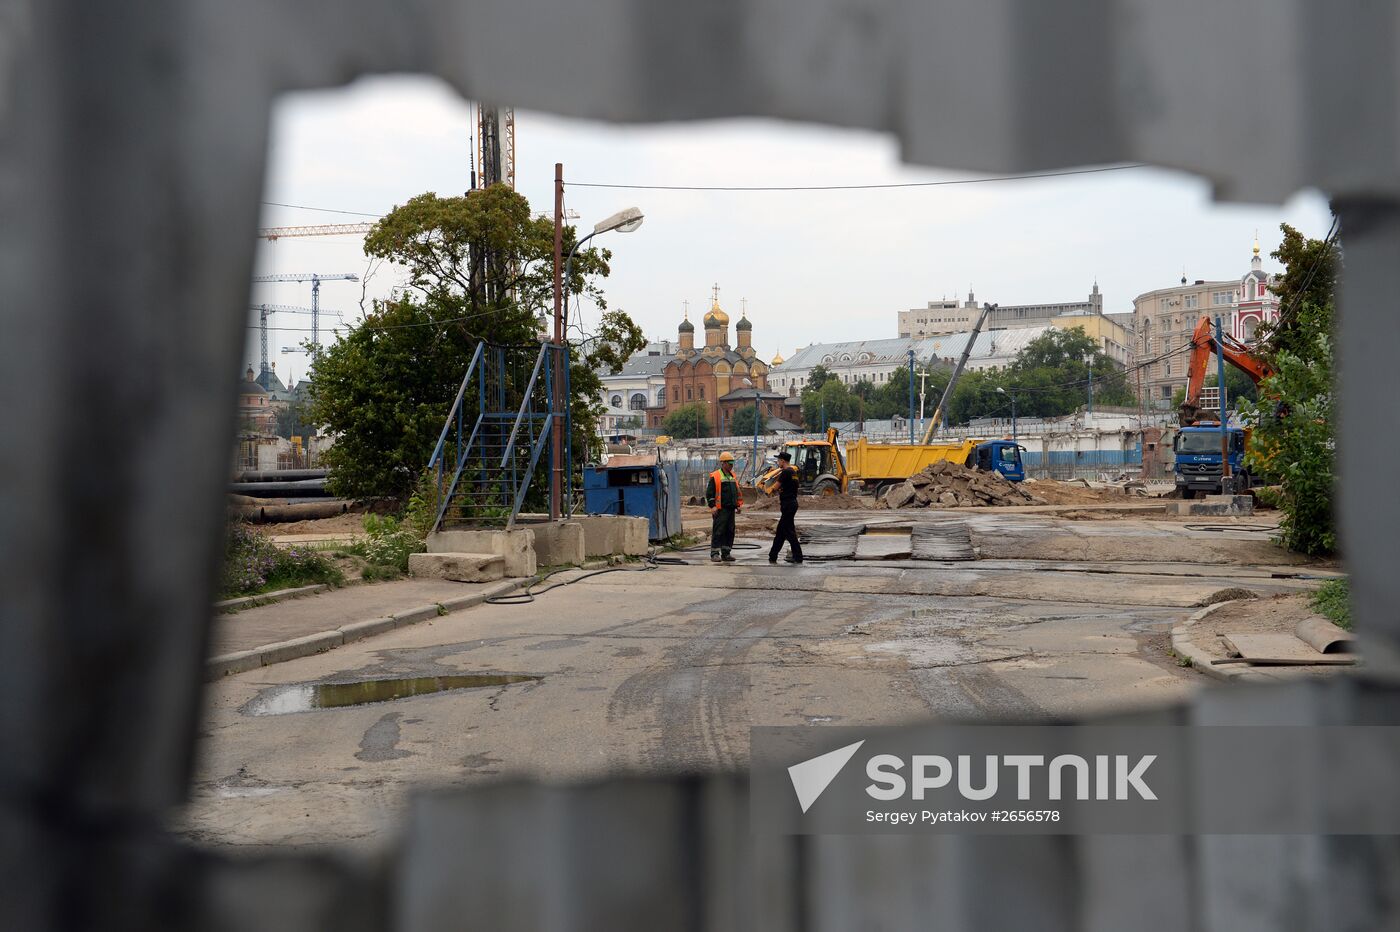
x: 666, y: 669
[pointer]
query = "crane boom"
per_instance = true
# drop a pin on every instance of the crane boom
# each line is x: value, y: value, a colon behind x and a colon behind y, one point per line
x: 957, y: 371
x: 1203, y: 346
x: 320, y: 229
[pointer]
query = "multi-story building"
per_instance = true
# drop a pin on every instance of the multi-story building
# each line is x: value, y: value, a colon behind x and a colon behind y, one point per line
x: 948, y: 317
x: 1165, y: 319
x: 876, y: 361
x: 640, y: 386
x: 951, y: 317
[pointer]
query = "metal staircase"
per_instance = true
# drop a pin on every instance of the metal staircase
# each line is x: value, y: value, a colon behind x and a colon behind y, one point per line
x: 496, y: 440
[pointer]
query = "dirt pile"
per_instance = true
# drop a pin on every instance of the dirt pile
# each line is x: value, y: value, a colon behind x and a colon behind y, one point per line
x: 836, y: 501
x: 949, y: 485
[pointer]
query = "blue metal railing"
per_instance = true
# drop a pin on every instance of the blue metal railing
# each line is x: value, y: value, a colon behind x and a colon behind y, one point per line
x: 484, y: 461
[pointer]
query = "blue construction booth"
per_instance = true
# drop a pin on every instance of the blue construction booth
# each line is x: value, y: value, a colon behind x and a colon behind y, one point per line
x: 636, y: 487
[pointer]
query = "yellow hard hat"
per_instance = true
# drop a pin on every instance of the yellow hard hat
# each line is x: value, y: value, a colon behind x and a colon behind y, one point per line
x: 726, y: 457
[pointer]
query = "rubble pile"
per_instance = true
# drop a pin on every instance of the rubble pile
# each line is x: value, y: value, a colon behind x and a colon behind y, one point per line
x: 949, y: 485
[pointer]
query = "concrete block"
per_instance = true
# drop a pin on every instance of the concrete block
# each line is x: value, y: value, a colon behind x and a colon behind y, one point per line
x: 636, y: 537
x: 601, y: 535
x: 1214, y: 505
x: 366, y: 629
x: 516, y: 546
x: 301, y: 647
x: 458, y: 567
x: 228, y: 664
x: 613, y: 535
x: 559, y: 543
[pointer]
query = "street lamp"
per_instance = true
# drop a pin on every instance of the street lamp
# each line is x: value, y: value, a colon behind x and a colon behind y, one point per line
x: 1013, y: 411
x: 624, y: 221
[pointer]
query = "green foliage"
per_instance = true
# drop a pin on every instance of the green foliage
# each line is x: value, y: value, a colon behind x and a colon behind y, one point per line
x: 1298, y: 448
x: 1333, y: 601
x: 818, y: 377
x: 742, y: 423
x: 480, y: 267
x: 1305, y: 292
x: 830, y: 401
x: 389, y: 542
x: 254, y: 564
x: 688, y: 421
x: 295, y: 420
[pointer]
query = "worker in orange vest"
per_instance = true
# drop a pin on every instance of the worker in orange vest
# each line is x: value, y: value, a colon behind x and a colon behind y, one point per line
x: 724, y: 498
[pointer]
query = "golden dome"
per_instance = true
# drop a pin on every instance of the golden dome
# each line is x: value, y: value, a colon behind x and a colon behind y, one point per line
x: 716, y: 317
x: 777, y: 359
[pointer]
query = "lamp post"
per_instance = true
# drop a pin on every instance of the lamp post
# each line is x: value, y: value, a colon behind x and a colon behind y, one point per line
x: 1013, y: 410
x: 751, y: 385
x: 1089, y: 361
x: 624, y: 221
x: 911, y: 397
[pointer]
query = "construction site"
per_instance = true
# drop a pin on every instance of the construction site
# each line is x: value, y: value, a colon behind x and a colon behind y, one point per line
x: 452, y: 632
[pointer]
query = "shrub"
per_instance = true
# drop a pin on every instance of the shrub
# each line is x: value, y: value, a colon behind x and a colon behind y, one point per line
x: 390, y: 542
x: 254, y: 564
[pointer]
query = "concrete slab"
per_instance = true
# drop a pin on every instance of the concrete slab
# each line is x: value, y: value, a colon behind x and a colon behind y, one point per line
x: 458, y: 567
x: 516, y: 545
x: 883, y: 547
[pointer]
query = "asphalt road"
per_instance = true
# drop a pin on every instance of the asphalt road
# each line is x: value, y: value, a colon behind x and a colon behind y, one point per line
x: 665, y: 669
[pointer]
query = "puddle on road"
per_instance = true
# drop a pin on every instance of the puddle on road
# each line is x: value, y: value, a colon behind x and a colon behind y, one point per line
x: 304, y: 698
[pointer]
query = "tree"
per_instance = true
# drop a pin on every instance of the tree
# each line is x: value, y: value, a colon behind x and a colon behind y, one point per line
x: 688, y: 421
x: 294, y: 420
x: 1294, y: 436
x: 480, y: 268
x: 742, y: 422
x: 818, y: 377
x: 1305, y: 292
x: 833, y: 401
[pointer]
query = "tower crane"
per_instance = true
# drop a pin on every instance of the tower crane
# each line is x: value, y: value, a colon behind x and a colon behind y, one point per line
x: 267, y: 310
x: 315, y: 278
x: 495, y: 134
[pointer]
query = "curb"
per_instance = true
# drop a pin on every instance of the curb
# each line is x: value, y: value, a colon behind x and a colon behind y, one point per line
x: 1183, y: 646
x: 268, y: 598
x: 281, y: 651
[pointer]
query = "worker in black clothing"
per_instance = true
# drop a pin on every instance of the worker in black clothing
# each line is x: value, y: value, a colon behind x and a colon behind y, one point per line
x: 725, y: 499
x: 787, y: 483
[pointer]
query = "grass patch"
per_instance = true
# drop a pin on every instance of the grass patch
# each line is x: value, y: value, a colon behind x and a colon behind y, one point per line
x: 1333, y: 600
x: 380, y: 572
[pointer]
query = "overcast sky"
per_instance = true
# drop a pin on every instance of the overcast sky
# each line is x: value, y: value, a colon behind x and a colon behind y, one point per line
x: 813, y: 266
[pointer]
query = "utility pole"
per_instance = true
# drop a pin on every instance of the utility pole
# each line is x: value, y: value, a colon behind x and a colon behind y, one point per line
x: 556, y: 477
x: 911, y: 397
x: 1227, y: 479
x: 1090, y: 363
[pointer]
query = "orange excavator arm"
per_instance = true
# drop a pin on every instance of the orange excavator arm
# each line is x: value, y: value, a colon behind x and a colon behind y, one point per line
x: 1203, y: 348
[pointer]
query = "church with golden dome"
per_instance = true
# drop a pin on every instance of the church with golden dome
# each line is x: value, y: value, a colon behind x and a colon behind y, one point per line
x: 722, y: 377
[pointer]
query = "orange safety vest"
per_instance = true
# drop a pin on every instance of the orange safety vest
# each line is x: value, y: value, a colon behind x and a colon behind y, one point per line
x: 718, y: 478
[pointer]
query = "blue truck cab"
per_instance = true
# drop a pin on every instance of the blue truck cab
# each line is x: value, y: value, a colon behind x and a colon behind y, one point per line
x: 1003, y: 456
x: 1197, y: 466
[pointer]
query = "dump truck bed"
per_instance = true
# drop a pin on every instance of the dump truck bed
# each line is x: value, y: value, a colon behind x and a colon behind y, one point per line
x: 887, y: 462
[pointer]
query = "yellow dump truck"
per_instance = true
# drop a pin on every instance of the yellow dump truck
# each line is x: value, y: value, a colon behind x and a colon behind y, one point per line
x: 823, y: 470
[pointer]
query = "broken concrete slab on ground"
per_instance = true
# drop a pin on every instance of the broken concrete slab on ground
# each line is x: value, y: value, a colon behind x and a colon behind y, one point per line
x: 951, y: 485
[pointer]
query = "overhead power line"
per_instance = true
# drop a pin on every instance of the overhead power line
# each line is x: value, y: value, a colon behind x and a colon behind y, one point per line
x: 859, y: 187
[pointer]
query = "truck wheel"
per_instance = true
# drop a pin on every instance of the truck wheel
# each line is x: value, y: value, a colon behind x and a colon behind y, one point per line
x: 825, y: 487
x: 1188, y: 493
